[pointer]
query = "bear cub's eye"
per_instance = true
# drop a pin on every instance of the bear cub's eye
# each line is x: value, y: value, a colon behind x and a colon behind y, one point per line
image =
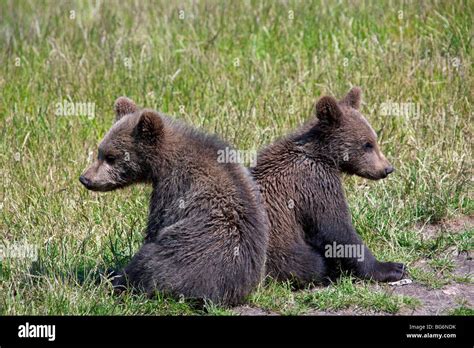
x: 110, y: 159
x: 368, y: 146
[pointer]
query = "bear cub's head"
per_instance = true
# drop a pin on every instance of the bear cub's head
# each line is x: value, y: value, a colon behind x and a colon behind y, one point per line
x: 124, y: 154
x: 348, y: 139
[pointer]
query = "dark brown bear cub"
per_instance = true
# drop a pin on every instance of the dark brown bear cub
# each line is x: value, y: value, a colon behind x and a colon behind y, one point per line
x: 311, y: 233
x: 207, y: 230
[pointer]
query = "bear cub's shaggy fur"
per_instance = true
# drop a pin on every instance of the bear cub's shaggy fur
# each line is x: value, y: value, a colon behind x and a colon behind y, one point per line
x: 207, y: 230
x: 300, y: 180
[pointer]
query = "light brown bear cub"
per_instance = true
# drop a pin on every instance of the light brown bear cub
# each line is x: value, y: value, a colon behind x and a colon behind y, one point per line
x: 300, y: 178
x: 207, y: 230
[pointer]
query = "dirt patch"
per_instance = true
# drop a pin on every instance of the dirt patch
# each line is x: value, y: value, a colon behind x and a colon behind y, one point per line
x: 450, y: 296
x: 346, y: 311
x: 456, y: 225
x: 437, y: 302
x: 464, y: 265
x: 247, y: 310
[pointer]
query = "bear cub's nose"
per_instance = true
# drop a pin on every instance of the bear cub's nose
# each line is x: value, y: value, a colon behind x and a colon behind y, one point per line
x: 84, y: 181
x: 389, y: 170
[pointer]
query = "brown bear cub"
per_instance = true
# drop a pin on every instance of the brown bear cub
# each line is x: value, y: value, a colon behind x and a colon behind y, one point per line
x: 300, y: 180
x: 207, y: 230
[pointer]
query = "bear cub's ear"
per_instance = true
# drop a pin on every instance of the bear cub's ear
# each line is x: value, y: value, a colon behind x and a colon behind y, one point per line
x: 352, y: 98
x: 124, y: 106
x: 328, y: 111
x: 149, y: 127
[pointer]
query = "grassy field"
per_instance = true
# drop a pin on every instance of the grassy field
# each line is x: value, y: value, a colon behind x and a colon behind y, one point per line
x: 249, y: 71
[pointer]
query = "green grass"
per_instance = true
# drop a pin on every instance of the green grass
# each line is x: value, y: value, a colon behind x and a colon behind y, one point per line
x: 462, y: 310
x: 344, y: 294
x: 249, y: 71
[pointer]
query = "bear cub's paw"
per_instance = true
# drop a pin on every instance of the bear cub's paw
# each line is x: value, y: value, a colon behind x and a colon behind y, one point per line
x: 389, y: 271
